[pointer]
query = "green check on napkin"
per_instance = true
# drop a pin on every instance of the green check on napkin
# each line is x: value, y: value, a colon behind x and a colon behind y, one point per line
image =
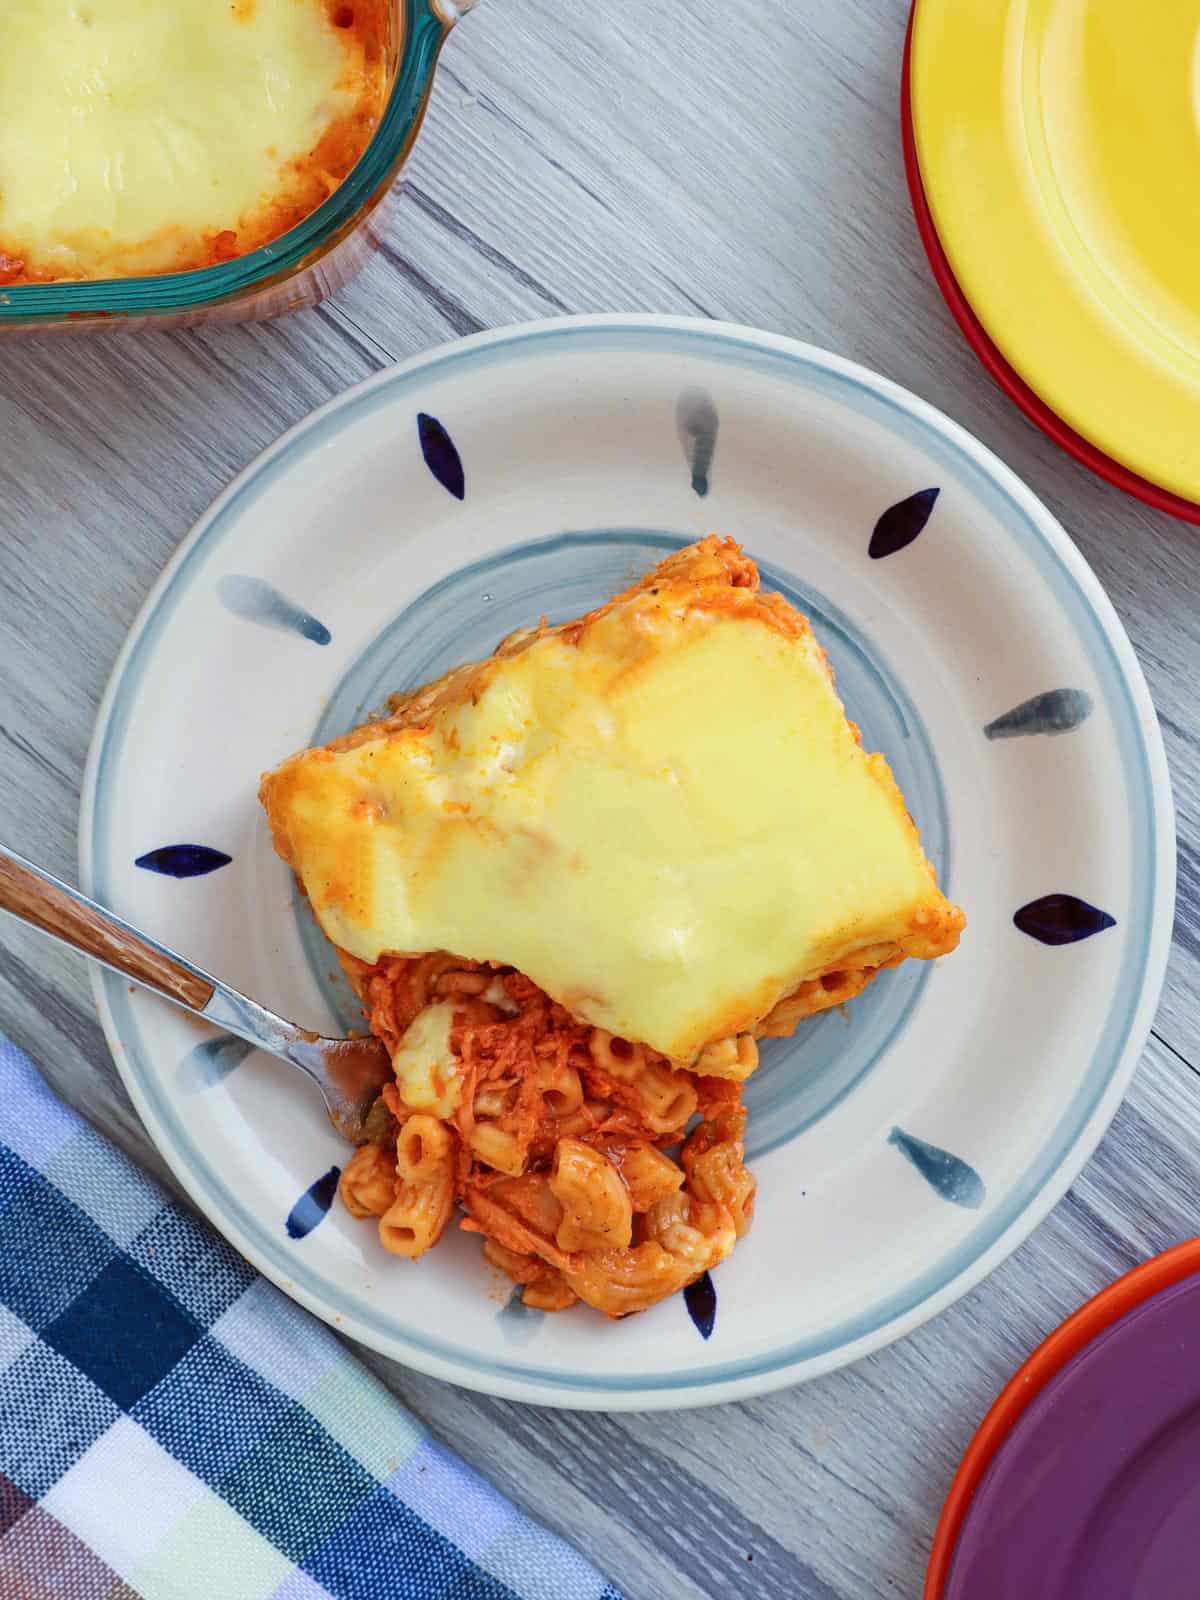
x: 173, y: 1428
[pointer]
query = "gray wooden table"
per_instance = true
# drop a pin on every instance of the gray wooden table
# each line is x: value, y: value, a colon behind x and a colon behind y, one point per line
x: 715, y: 157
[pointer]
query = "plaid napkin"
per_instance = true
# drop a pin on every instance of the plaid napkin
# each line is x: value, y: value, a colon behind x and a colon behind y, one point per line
x: 172, y: 1428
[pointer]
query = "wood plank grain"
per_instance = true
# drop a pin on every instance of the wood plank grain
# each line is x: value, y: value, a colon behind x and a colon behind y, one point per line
x: 712, y: 157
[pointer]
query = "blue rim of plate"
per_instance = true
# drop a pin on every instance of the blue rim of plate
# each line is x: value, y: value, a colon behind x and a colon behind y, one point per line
x: 1148, y: 923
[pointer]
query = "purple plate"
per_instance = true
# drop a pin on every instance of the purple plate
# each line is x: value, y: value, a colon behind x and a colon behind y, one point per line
x: 1095, y: 1494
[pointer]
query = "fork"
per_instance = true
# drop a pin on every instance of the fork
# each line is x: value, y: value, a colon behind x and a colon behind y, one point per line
x: 348, y: 1072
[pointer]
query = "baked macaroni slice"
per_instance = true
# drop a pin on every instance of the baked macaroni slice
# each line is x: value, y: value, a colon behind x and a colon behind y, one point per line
x: 147, y: 136
x: 574, y: 885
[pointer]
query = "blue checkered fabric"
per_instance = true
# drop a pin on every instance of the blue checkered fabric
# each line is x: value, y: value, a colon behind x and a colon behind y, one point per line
x: 172, y: 1428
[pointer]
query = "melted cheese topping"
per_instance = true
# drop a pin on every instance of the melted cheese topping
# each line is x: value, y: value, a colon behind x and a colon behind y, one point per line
x: 428, y: 1073
x: 151, y: 135
x: 659, y: 814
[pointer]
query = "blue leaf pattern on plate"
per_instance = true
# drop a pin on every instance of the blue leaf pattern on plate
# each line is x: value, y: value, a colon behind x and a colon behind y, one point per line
x: 900, y: 524
x: 441, y: 456
x: 697, y: 421
x: 1055, y: 711
x: 210, y: 1062
x: 313, y: 1205
x: 1062, y: 919
x: 183, y: 860
x: 256, y: 600
x: 948, y: 1175
x: 701, y: 1300
x: 519, y: 1323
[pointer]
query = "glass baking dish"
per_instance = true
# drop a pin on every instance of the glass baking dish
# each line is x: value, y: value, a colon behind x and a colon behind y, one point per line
x: 297, y: 269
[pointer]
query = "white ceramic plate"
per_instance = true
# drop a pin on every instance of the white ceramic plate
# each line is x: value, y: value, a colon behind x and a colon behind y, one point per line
x: 903, y: 1149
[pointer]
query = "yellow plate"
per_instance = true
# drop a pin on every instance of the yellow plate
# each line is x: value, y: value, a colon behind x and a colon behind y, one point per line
x: 1059, y: 144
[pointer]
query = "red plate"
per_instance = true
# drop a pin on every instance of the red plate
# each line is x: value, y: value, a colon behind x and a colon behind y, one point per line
x: 1091, y: 1320
x: 1006, y: 376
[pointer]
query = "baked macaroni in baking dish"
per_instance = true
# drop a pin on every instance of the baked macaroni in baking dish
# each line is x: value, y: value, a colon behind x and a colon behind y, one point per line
x: 574, y: 885
x: 142, y: 137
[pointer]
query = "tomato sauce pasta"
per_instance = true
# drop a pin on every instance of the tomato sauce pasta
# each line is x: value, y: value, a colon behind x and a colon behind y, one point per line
x: 556, y: 1144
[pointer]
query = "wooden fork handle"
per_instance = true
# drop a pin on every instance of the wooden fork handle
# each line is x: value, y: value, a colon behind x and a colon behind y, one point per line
x: 36, y: 897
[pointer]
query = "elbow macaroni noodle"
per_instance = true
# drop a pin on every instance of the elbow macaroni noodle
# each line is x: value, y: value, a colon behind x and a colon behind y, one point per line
x: 424, y: 1190
x: 597, y: 1209
x: 552, y: 1136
